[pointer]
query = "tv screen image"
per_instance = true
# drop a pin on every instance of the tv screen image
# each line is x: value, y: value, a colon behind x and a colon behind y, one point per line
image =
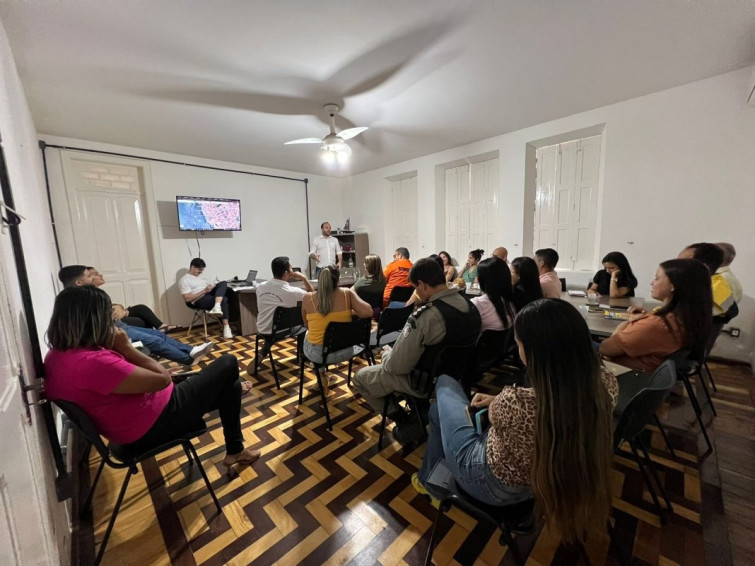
x: 206, y: 214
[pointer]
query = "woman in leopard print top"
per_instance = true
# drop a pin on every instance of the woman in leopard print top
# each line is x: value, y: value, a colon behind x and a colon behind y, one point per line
x: 552, y: 440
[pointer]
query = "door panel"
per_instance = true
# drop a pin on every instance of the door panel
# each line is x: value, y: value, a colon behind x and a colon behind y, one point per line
x: 110, y: 231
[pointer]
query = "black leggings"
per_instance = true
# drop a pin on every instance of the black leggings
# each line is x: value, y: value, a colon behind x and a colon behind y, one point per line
x: 142, y: 316
x: 215, y: 387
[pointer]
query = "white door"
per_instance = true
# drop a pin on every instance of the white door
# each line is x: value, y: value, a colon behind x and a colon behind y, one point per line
x: 566, y: 201
x: 405, y: 216
x: 109, y: 226
x: 25, y: 530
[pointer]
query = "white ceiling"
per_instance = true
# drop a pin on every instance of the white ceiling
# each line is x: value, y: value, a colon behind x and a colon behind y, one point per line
x: 234, y: 79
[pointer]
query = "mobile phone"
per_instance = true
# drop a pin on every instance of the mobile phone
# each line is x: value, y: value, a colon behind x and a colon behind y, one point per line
x: 481, y: 420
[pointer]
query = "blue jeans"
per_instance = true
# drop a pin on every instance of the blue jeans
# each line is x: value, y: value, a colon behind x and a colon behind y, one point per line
x: 159, y: 344
x: 454, y: 437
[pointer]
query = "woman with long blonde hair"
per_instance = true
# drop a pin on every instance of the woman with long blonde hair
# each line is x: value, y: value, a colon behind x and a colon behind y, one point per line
x: 552, y: 440
x: 329, y: 304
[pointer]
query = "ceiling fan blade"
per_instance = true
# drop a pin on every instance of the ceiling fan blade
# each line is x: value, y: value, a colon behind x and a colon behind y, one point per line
x: 351, y: 132
x: 304, y: 140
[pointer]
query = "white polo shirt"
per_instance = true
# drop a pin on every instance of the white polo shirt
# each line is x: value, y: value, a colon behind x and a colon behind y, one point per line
x: 271, y: 295
x: 327, y: 250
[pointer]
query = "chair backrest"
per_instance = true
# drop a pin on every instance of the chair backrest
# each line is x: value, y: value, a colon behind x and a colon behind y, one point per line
x: 85, y: 425
x: 563, y: 283
x: 375, y: 300
x: 640, y: 410
x: 393, y: 320
x: 492, y: 346
x: 453, y: 361
x: 287, y: 317
x: 341, y: 335
x: 400, y: 294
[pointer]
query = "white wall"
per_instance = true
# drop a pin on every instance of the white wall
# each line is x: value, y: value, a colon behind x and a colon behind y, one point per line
x: 23, y: 160
x: 678, y: 168
x: 273, y: 216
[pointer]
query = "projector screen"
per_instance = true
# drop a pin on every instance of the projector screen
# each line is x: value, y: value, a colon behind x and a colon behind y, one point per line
x: 208, y: 214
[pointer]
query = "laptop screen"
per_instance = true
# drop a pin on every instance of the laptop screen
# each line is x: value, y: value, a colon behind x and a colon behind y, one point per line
x: 251, y: 276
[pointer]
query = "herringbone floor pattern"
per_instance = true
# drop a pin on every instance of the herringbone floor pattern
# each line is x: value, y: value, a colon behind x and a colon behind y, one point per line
x: 320, y: 497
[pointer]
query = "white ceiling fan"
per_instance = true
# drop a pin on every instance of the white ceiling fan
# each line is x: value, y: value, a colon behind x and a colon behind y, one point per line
x: 334, y: 144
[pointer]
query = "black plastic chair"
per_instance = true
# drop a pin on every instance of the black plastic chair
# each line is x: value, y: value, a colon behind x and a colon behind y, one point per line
x: 338, y: 336
x: 287, y: 323
x: 637, y: 412
x: 390, y: 324
x: 492, y: 349
x: 400, y: 294
x: 375, y: 300
x: 452, y: 360
x: 126, y: 456
x: 688, y: 365
x: 514, y: 518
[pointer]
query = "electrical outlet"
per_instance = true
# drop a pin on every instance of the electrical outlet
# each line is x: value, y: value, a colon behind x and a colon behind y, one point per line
x: 734, y: 332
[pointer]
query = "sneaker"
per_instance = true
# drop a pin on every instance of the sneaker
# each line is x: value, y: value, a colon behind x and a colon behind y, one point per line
x: 216, y: 309
x: 419, y: 488
x: 200, y: 352
x: 227, y: 332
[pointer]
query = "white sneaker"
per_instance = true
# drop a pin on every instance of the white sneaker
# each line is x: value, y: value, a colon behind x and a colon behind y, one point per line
x: 200, y: 352
x: 227, y: 332
x: 216, y: 309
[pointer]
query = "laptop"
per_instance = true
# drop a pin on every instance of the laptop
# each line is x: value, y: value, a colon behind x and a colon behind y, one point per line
x: 250, y: 278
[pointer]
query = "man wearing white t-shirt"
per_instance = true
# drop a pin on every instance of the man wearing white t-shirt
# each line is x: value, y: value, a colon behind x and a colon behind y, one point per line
x: 199, y: 294
x: 277, y: 292
x: 326, y: 250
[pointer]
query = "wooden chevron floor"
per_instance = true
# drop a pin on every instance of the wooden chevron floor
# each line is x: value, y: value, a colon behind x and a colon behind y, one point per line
x: 319, y: 497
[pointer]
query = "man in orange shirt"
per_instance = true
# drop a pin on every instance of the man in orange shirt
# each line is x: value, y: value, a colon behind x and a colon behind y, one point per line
x: 397, y: 273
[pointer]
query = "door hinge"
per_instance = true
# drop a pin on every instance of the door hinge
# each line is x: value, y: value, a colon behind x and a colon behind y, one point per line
x: 26, y: 389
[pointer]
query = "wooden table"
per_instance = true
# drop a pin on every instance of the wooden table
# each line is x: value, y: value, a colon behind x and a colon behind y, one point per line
x: 596, y: 322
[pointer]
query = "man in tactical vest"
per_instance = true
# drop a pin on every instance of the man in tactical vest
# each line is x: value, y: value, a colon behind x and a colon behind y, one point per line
x: 443, y: 318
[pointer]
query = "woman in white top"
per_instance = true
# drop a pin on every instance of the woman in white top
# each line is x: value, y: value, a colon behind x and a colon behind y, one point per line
x: 495, y: 304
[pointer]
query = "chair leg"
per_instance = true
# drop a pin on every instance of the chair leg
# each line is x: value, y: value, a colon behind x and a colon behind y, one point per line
x: 204, y: 477
x: 324, y: 399
x: 348, y: 373
x: 103, y: 544
x: 710, y: 377
x: 301, y: 380
x: 88, y: 503
x: 646, y: 478
x: 382, y: 422
x: 655, y: 474
x: 507, y: 540
x: 204, y: 320
x: 433, y: 534
x: 696, y: 408
x: 256, y: 353
x: 272, y: 364
x: 707, y: 393
x: 665, y: 437
x: 188, y: 452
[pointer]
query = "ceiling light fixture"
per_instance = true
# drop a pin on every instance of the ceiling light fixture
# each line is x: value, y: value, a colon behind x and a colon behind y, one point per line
x: 334, y: 147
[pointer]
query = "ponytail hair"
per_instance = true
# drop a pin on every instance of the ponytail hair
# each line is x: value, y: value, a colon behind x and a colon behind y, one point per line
x: 326, y: 288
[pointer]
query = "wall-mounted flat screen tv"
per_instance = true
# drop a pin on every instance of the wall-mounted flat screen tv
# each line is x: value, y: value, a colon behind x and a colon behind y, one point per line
x: 207, y: 214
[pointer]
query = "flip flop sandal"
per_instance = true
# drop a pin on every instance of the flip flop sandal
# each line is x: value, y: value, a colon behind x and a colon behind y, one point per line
x: 246, y: 387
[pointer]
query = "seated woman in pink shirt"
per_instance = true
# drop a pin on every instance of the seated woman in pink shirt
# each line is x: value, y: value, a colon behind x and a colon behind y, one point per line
x: 496, y: 303
x: 682, y: 322
x: 131, y: 398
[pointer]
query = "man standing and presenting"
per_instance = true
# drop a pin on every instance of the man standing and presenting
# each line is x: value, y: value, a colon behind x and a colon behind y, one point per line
x: 199, y: 294
x: 278, y: 293
x: 326, y: 249
x: 546, y: 260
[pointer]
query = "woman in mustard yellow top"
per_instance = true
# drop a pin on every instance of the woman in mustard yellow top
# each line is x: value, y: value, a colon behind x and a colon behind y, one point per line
x: 329, y: 304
